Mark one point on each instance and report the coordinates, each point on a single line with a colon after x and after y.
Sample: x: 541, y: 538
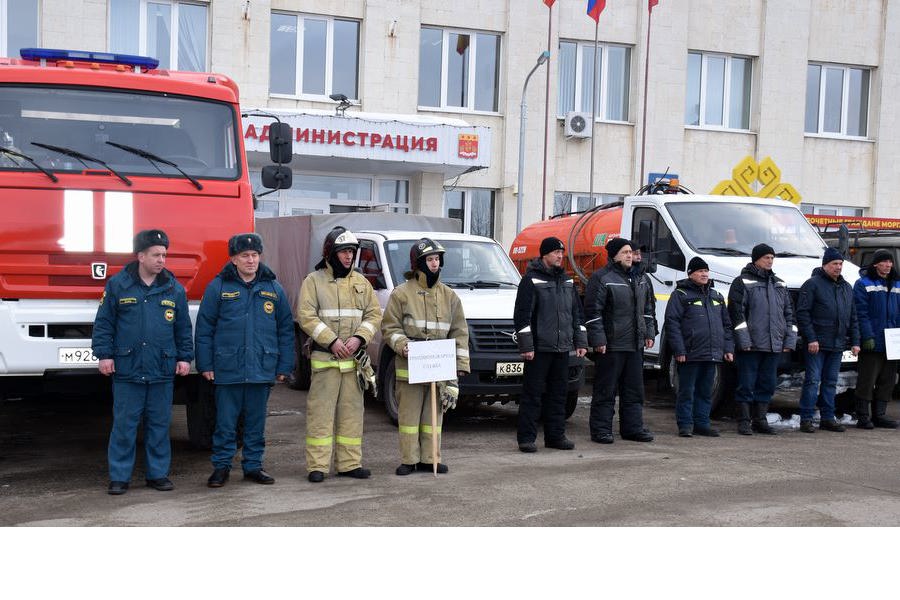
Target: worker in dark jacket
x: 877, y: 297
x: 826, y: 316
x: 549, y: 324
x: 244, y: 342
x: 621, y: 324
x: 142, y: 336
x: 698, y: 330
x: 760, y: 309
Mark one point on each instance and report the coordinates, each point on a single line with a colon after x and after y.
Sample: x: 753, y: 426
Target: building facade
x: 813, y: 84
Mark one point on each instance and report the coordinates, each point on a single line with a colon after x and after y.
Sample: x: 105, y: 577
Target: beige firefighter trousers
x: 414, y: 418
x: 334, y: 421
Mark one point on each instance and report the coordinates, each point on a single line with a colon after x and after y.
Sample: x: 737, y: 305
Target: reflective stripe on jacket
x: 330, y: 308
x: 619, y: 308
x: 417, y: 312
x: 548, y: 315
x: 877, y: 304
x: 697, y: 323
x: 761, y: 312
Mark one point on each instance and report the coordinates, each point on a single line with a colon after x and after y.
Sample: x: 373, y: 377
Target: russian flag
x: 594, y: 8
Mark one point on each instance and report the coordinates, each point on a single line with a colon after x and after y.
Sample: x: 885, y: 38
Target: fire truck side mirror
x: 280, y: 149
x: 277, y: 177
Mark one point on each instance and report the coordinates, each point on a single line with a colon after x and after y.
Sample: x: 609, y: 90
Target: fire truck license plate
x: 510, y: 369
x: 73, y: 356
x: 847, y: 356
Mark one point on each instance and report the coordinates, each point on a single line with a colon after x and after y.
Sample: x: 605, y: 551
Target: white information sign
x: 892, y: 343
x: 432, y: 361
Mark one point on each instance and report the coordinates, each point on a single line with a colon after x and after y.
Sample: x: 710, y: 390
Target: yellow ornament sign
x: 748, y: 172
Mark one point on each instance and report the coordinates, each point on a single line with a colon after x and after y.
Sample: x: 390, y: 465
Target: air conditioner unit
x: 577, y: 125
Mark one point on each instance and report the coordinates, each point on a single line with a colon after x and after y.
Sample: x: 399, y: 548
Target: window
x: 370, y: 265
x: 576, y: 76
x: 573, y: 202
x: 173, y: 32
x: 834, y: 211
x: 718, y: 91
x: 18, y: 26
x: 313, y: 56
x: 666, y: 250
x: 459, y: 69
x: 474, y: 208
x: 837, y: 100
x: 323, y: 194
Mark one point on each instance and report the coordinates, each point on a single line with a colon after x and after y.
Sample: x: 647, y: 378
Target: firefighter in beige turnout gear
x: 338, y: 310
x: 423, y: 308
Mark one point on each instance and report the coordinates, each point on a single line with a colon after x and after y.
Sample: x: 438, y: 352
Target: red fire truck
x: 93, y: 148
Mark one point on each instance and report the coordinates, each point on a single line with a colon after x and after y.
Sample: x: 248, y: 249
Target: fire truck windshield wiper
x: 52, y: 177
x: 155, y: 159
x: 722, y: 250
x: 81, y: 157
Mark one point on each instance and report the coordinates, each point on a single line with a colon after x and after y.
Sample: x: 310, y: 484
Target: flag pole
x: 646, y: 87
x: 594, y: 102
x: 546, y: 118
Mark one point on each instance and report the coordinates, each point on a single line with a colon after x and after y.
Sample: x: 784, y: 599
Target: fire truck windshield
x: 732, y: 229
x: 194, y: 137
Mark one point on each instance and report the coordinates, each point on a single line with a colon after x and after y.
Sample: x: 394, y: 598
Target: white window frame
x: 473, y: 55
x: 293, y: 195
x: 580, y: 49
x: 329, y: 58
x: 467, y: 207
x: 726, y: 92
x: 832, y: 210
x: 576, y: 197
x: 4, y: 26
x: 173, y: 42
x: 845, y: 101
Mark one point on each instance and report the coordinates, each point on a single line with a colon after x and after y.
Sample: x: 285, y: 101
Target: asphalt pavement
x: 53, y: 472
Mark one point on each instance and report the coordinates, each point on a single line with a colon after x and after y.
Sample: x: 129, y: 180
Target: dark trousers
x: 622, y: 372
x: 232, y: 401
x: 133, y: 402
x: 820, y: 384
x: 757, y: 376
x: 875, y: 371
x: 544, y: 397
x: 694, y: 401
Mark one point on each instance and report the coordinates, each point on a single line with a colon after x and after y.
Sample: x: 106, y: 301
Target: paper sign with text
x: 432, y: 361
x: 892, y: 343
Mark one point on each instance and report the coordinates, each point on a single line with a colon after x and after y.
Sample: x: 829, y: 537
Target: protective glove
x: 365, y: 374
x: 868, y: 344
x: 448, y: 392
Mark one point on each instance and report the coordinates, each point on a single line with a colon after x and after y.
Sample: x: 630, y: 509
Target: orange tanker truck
x: 673, y: 227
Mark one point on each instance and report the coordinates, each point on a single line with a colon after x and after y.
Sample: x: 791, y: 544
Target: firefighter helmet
x: 339, y: 239
x: 423, y: 248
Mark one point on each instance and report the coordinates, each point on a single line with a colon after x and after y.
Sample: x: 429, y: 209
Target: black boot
x: 760, y: 423
x: 879, y: 419
x: 744, y: 419
x: 862, y: 415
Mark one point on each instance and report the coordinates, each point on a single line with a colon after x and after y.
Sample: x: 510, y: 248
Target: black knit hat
x: 831, y: 254
x: 150, y: 237
x: 696, y: 264
x: 243, y: 242
x: 615, y: 245
x: 761, y: 250
x: 551, y: 244
x: 882, y: 254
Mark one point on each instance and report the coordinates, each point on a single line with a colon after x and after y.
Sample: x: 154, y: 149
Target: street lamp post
x: 524, y: 109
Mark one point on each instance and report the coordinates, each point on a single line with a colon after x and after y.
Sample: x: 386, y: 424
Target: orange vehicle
x: 93, y: 148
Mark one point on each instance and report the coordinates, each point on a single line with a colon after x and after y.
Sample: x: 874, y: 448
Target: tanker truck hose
x: 582, y: 221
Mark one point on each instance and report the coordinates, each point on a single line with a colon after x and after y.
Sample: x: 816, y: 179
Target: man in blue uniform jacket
x: 244, y: 342
x: 142, y: 337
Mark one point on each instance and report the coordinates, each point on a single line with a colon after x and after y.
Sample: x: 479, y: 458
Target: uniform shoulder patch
x: 168, y: 303
x: 268, y: 294
x: 231, y: 295
x: 127, y: 300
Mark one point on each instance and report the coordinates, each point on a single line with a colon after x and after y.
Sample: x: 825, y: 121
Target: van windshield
x: 733, y: 229
x: 467, y: 263
x: 61, y: 128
